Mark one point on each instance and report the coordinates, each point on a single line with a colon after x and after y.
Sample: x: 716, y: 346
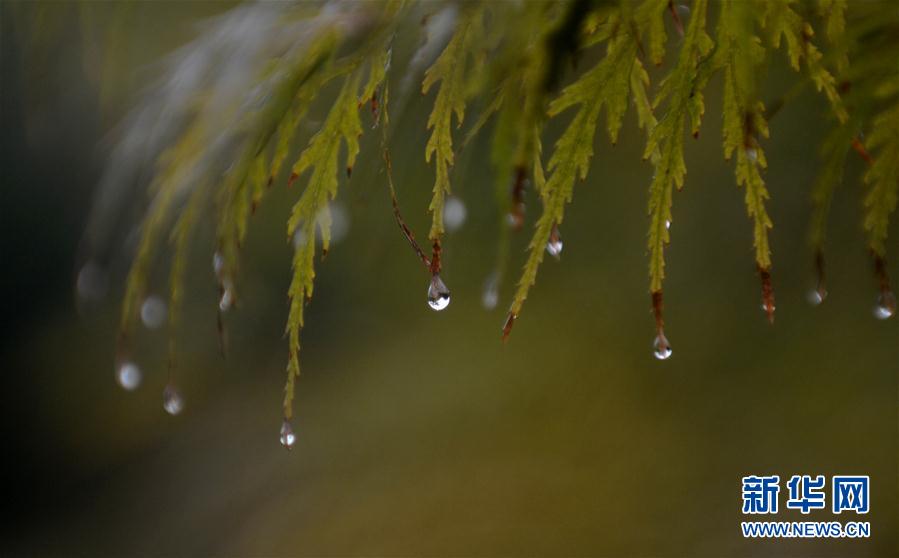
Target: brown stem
x: 435, y: 257
x: 862, y: 152
x: 657, y: 307
x: 507, y: 326
x: 880, y: 272
x: 767, y: 293
x: 407, y: 232
x: 375, y: 110
x: 517, y: 210
x: 663, y: 348
x: 678, y: 24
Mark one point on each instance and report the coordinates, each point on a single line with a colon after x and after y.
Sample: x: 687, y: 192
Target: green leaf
x: 740, y: 54
x: 650, y: 17
x: 606, y: 84
x: 682, y: 89
x: 783, y: 23
x: 833, y: 162
x: 451, y: 70
x: 882, y: 177
x: 320, y: 158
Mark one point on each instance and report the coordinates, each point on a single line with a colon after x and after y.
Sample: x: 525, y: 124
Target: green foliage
x: 451, y: 70
x: 740, y: 54
x: 682, y: 89
x: 833, y: 156
x: 321, y: 157
x: 606, y: 84
x: 511, y: 61
x: 782, y: 22
x: 650, y: 16
x: 882, y: 176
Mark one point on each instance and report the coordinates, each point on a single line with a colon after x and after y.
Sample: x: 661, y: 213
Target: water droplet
x: 227, y: 298
x: 340, y: 222
x: 752, y: 154
x: 661, y: 349
x: 218, y: 263
x: 490, y: 295
x: 128, y: 376
x: 668, y: 225
x: 554, y: 246
x: 454, y: 214
x: 172, y: 401
x: 438, y: 293
x: 92, y: 282
x: 153, y: 312
x: 816, y: 296
x: 886, y: 305
x: 287, y: 436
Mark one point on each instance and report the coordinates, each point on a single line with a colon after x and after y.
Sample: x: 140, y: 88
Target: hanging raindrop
x: 661, y: 349
x: 172, y: 401
x: 554, y: 246
x: 816, y: 296
x: 227, y: 298
x: 886, y: 305
x: 153, y: 312
x: 438, y: 293
x: 454, y: 214
x: 128, y: 376
x: 287, y: 436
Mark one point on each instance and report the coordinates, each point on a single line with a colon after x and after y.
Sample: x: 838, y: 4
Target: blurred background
x: 420, y: 433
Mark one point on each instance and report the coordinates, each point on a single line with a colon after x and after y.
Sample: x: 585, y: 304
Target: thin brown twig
x: 678, y: 24
x: 407, y: 232
x: 862, y: 152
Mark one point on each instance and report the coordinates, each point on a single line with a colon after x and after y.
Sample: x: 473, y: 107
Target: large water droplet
x: 153, y: 312
x: 287, y: 436
x: 454, y: 214
x: 661, y: 349
x: 128, y: 376
x: 667, y: 224
x: 886, y: 305
x: 554, y: 246
x: 172, y: 401
x: 438, y: 293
